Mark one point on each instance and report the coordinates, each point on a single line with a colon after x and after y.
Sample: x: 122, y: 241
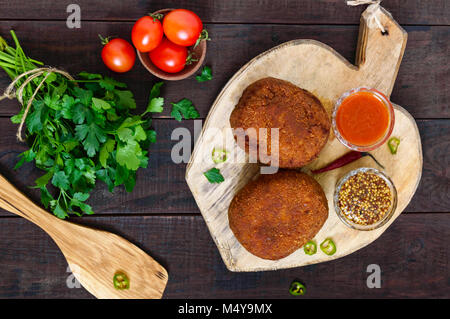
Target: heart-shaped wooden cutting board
x: 319, y: 69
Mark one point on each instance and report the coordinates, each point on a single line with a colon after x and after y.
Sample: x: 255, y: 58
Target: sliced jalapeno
x: 393, y: 144
x: 219, y: 156
x: 121, y: 281
x: 297, y: 289
x: 328, y: 246
x: 310, y: 247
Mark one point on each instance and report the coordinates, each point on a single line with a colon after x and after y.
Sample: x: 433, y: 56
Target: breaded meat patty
x: 303, y: 123
x: 277, y: 214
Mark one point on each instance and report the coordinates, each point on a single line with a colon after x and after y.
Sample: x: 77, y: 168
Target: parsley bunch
x: 80, y: 132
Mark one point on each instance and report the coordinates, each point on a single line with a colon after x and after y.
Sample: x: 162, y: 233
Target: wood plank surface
x: 161, y: 216
x: 422, y: 86
x: 161, y: 188
x: 235, y: 11
x: 413, y: 255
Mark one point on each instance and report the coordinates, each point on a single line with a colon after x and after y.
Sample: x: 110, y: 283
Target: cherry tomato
x: 169, y: 57
x: 147, y: 33
x: 182, y: 27
x: 118, y: 55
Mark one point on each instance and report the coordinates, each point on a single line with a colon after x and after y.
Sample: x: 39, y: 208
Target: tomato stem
x: 104, y: 40
x: 190, y: 58
x: 156, y: 16
x: 203, y: 36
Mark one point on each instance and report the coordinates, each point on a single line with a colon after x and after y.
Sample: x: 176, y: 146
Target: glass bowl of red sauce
x: 363, y: 119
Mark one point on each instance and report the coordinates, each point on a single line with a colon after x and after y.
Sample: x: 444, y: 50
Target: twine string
x: 373, y: 11
x: 10, y: 93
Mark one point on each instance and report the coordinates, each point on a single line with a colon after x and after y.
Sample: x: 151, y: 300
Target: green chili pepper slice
x: 219, y: 156
x: 297, y: 289
x: 121, y: 281
x: 310, y: 247
x: 328, y: 246
x: 393, y: 144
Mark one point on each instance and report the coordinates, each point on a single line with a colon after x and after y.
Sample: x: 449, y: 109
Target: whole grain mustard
x: 365, y: 199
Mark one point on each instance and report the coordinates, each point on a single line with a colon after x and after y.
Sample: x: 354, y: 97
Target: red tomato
x: 169, y: 57
x: 147, y: 33
x: 182, y: 27
x: 118, y: 55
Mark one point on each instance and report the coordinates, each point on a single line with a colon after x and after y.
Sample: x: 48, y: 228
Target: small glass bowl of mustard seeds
x: 365, y: 199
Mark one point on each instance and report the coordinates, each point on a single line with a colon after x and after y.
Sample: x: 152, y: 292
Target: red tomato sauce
x: 362, y: 119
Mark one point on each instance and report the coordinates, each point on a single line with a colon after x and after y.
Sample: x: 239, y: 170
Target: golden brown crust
x: 303, y: 123
x: 277, y: 214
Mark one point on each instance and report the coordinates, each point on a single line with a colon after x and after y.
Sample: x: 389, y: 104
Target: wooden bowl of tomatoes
x: 174, y: 49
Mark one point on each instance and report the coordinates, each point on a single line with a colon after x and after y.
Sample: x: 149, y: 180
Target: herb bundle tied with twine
x: 79, y: 130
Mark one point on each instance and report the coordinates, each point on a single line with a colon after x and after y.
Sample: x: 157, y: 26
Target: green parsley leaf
x: 214, y: 175
x: 128, y: 155
x: 86, y: 208
x: 109, y: 84
x: 155, y: 105
x: 37, y: 118
x: 26, y: 156
x: 126, y: 99
x: 80, y: 196
x: 59, y: 212
x: 151, y: 136
x: 51, y: 78
x: 81, y: 114
x: 107, y: 175
x: 44, y: 179
x: 184, y: 108
x: 206, y: 75
x: 121, y: 174
x: 90, y: 76
x: 85, y: 96
x: 46, y: 197
x: 139, y: 134
x: 60, y: 180
x: 130, y: 182
x: 156, y: 90
x: 111, y: 115
x: 52, y: 101
x: 125, y: 134
x: 132, y: 121
x: 16, y: 119
x: 91, y: 135
x: 100, y: 105
x: 66, y: 108
x: 105, y: 150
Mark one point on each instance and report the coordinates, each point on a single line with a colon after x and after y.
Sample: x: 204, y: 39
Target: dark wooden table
x: 161, y: 216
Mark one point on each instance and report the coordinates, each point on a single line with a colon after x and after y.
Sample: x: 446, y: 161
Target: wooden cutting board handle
x: 94, y: 256
x: 372, y: 40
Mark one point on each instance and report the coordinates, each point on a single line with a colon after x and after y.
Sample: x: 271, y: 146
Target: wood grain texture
x: 416, y: 266
x: 235, y: 11
x: 162, y: 189
x: 422, y: 85
x: 94, y: 256
x: 315, y: 67
x: 413, y: 255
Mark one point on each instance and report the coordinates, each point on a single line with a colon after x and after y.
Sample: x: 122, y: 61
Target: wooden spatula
x: 94, y: 256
